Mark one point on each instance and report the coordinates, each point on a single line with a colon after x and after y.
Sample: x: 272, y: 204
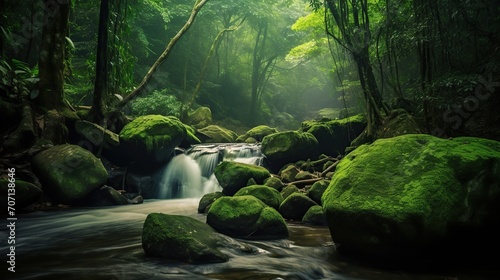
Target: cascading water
x: 190, y: 175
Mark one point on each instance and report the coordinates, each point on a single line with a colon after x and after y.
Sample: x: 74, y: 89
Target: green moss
x: 289, y: 146
x: 271, y: 197
x: 233, y: 176
x: 257, y: 133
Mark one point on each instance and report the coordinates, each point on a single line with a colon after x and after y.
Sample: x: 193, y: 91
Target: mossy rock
x: 414, y: 195
x: 207, y: 199
x: 317, y: 189
x: 68, y: 173
x: 152, y: 138
x: 274, y: 182
x: 295, y: 206
x: 246, y: 217
x: 334, y: 136
x: 191, y: 138
x: 289, y: 172
x: 291, y: 146
x: 315, y: 216
x: 25, y: 194
x: 181, y: 238
x: 256, y: 134
x: 288, y: 190
x: 200, y: 118
x: 216, y: 134
x: 270, y: 196
x: 233, y: 176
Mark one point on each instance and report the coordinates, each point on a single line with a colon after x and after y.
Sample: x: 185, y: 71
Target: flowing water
x: 105, y: 243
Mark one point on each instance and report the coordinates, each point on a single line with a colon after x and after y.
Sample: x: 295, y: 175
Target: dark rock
x: 295, y: 206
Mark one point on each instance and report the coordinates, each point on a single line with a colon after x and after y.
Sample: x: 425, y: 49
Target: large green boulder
x: 152, y: 138
x: 288, y: 147
x: 415, y: 195
x: 270, y: 196
x: 246, y: 217
x: 232, y: 176
x: 68, y: 173
x: 181, y: 238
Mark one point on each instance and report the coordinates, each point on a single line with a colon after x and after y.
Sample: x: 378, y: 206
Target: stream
x: 105, y: 243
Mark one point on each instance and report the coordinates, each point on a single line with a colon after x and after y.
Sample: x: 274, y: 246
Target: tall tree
x: 52, y: 54
x: 351, y: 29
x: 97, y: 111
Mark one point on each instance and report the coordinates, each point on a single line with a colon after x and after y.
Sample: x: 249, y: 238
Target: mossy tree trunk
x: 52, y: 53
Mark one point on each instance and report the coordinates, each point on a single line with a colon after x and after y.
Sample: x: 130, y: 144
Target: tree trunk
x: 101, y: 70
x: 143, y: 85
x: 52, y: 52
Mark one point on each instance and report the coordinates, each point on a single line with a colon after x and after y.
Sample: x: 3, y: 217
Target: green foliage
x: 160, y: 102
x: 18, y: 79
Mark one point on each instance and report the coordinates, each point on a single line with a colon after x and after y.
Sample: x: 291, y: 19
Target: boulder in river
x: 270, y: 196
x: 181, y: 238
x: 68, y: 172
x: 233, y: 176
x: 246, y: 217
x: 151, y: 139
x: 416, y: 196
x: 25, y: 194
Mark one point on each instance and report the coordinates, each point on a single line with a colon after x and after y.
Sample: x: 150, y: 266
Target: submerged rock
x: 233, y: 176
x: 181, y: 238
x: 415, y: 195
x: 246, y: 217
x: 68, y: 172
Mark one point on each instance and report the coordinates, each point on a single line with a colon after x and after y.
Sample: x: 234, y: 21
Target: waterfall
x: 191, y: 174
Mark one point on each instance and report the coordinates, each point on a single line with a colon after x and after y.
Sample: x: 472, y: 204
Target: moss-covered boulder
x: 335, y: 135
x: 216, y: 134
x: 315, y: 216
x: 152, y: 138
x: 288, y: 190
x: 295, y: 206
x: 201, y: 117
x: 287, y: 147
x: 274, y: 182
x: 24, y: 193
x: 207, y: 200
x: 271, y: 197
x: 288, y: 173
x: 317, y: 189
x: 233, y: 176
x: 256, y: 134
x: 68, y: 173
x: 181, y: 238
x: 415, y: 195
x: 246, y: 217
x: 191, y: 138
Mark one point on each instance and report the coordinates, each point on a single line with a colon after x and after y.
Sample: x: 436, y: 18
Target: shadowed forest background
x: 276, y: 63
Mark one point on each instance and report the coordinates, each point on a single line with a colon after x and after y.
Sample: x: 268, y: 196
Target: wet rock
x: 291, y: 146
x: 288, y: 190
x: 317, y: 190
x: 315, y: 216
x: 416, y: 196
x: 246, y: 217
x: 181, y: 238
x: 271, y: 197
x: 151, y: 139
x: 68, y: 172
x: 295, y: 206
x: 274, y: 182
x: 233, y: 176
x: 207, y: 199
